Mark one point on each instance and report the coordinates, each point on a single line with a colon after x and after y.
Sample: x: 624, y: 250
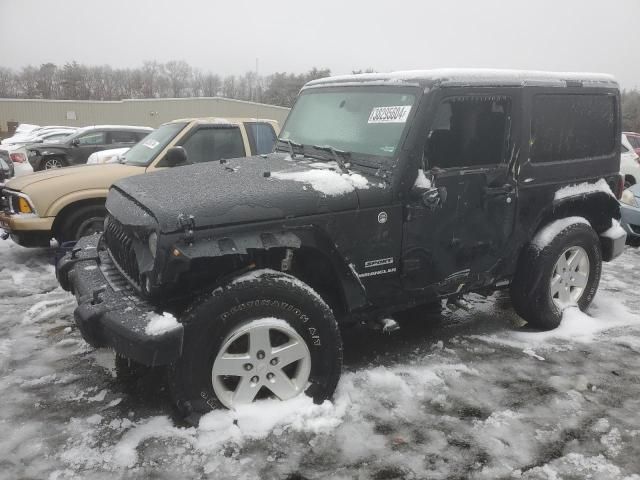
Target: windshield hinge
x: 188, y: 225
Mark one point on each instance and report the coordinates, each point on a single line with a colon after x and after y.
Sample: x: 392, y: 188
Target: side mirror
x: 75, y: 142
x: 175, y: 156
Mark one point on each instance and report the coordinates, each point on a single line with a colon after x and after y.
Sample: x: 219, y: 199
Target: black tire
x: 270, y: 295
x: 47, y: 163
x: 530, y: 289
x: 82, y: 221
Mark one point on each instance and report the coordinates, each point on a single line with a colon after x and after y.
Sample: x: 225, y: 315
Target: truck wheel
x: 265, y: 336
x: 83, y: 221
x: 560, y: 268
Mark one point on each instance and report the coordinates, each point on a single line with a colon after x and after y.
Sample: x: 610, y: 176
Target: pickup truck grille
x: 120, y: 247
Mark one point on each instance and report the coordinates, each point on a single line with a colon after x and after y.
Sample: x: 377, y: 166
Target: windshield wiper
x: 292, y: 146
x: 337, y: 156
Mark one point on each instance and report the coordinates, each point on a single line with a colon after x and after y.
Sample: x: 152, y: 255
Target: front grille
x: 120, y: 247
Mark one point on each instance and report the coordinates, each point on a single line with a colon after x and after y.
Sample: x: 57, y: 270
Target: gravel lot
x: 466, y: 394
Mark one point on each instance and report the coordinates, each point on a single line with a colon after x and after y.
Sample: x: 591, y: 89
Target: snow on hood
x: 328, y: 182
x: 240, y: 190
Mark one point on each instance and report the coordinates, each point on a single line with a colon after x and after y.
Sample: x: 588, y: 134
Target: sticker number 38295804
x: 397, y: 114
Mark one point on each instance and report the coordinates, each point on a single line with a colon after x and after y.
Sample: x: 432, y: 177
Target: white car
x: 107, y: 156
x: 42, y: 133
x: 629, y: 163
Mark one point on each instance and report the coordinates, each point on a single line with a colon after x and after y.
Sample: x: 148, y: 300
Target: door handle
x: 505, y: 189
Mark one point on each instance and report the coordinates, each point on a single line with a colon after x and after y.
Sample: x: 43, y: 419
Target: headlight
x: 153, y: 243
x: 23, y: 205
x: 629, y: 198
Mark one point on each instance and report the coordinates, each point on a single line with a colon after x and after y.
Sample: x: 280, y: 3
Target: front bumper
x: 109, y: 313
x: 27, y: 230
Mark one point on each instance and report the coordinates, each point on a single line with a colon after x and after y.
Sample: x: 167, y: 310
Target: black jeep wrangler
x: 386, y: 191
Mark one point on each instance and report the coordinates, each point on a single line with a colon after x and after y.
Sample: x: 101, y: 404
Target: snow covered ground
x: 463, y: 395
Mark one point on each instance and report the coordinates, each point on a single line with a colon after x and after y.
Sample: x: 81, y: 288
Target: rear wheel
x: 268, y: 336
x: 562, y: 271
x: 53, y: 162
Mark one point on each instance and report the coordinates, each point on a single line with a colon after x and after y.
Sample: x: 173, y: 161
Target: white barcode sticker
x: 397, y: 114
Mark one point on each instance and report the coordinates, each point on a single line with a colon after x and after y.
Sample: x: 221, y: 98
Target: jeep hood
x: 242, y: 190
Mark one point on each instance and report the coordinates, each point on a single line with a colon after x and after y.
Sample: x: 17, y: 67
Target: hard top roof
x: 469, y: 76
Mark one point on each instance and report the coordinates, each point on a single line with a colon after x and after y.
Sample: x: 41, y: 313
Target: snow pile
x: 616, y: 231
x: 583, y: 189
x: 159, y: 324
x: 421, y: 180
x: 326, y: 181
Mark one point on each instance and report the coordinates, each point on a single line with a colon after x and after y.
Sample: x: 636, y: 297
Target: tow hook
x: 4, y: 235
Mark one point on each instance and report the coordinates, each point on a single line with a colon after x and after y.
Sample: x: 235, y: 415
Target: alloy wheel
x: 570, y: 277
x: 265, y: 358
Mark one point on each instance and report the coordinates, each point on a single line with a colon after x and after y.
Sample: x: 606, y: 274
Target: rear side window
x: 124, y: 137
x: 567, y: 127
x: 210, y: 144
x: 634, y: 141
x: 262, y: 137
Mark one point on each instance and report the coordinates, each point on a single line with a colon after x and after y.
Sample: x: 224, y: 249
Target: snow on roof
x: 474, y: 76
x: 113, y: 127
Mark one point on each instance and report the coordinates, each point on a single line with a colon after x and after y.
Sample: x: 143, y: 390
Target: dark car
x: 76, y: 148
x: 6, y: 167
x: 386, y: 191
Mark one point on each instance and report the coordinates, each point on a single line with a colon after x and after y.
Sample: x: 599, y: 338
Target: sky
x: 226, y: 37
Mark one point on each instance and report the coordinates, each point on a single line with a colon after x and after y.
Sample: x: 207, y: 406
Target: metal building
x: 147, y: 112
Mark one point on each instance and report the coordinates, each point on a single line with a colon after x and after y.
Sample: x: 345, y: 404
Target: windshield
x: 145, y: 151
x: 367, y: 121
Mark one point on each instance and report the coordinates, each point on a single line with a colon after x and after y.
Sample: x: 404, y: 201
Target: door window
x: 469, y: 131
x: 93, y: 138
x: 123, y: 137
x: 262, y: 138
x: 210, y: 144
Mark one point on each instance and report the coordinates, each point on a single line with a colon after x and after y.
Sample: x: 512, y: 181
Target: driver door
x: 454, y: 233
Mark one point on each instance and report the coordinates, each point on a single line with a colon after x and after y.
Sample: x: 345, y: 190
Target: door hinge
x: 188, y: 225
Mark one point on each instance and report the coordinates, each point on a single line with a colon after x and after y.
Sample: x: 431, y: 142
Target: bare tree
x: 179, y: 74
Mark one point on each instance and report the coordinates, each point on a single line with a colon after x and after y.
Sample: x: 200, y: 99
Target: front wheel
x: 264, y: 336
x: 83, y: 221
x: 559, y: 269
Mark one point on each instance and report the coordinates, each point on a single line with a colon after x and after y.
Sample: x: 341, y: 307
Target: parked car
x: 386, y: 191
x: 65, y: 204
x: 629, y: 163
x: 75, y: 149
x: 24, y: 136
x: 6, y: 168
x: 112, y: 155
x: 630, y: 209
x: 634, y: 139
x: 18, y: 151
x: 21, y: 130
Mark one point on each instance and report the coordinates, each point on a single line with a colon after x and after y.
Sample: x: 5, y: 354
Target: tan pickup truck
x: 65, y: 204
